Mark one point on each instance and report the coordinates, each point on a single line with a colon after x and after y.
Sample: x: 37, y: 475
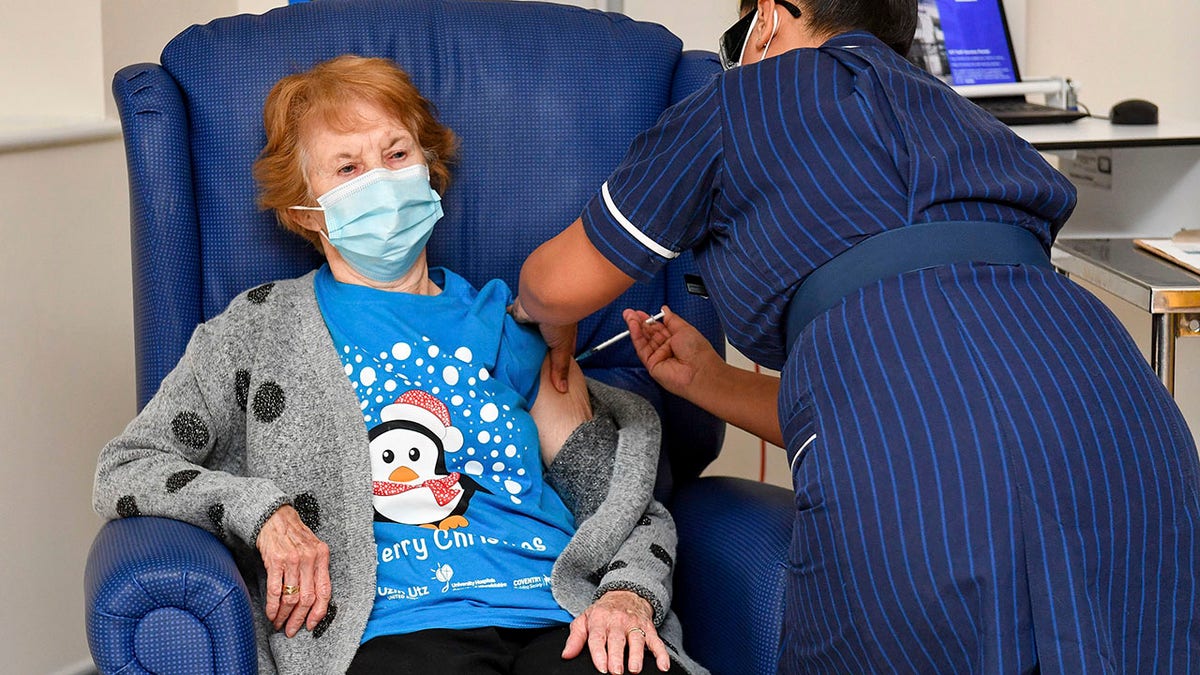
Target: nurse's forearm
x: 743, y: 398
x: 566, y: 279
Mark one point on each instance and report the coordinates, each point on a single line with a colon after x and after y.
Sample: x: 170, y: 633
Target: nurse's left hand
x: 618, y: 619
x: 561, y: 341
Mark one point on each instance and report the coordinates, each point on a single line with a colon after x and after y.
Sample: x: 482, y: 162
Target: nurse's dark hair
x: 892, y: 21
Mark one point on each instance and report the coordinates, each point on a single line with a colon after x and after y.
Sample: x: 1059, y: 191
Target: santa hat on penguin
x: 423, y: 408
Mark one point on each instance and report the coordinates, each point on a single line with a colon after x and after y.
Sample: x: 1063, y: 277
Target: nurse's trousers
x: 989, y: 478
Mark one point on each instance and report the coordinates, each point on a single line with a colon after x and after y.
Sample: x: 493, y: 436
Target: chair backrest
x: 544, y: 98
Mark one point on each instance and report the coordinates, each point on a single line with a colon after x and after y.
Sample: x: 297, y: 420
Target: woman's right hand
x: 675, y: 354
x: 296, y: 558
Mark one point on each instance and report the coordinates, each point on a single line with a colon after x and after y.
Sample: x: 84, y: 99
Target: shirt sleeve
x: 522, y: 349
x: 656, y: 203
x: 159, y: 466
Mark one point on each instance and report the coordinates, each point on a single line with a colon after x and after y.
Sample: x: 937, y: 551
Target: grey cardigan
x: 259, y: 413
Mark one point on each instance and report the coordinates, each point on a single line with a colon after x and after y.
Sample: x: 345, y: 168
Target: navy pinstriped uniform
x: 988, y: 476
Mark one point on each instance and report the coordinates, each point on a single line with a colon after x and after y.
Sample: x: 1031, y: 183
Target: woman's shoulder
x: 493, y: 291
x: 268, y: 303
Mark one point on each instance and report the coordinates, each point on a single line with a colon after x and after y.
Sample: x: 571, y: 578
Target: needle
x: 615, y: 339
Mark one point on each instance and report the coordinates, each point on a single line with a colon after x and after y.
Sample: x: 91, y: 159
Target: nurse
x: 988, y: 476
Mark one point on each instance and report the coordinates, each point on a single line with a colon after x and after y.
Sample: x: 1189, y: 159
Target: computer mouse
x: 1134, y: 111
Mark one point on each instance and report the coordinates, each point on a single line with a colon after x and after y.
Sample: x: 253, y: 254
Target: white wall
x: 66, y: 346
x: 1117, y: 50
x: 66, y: 338
x: 67, y: 358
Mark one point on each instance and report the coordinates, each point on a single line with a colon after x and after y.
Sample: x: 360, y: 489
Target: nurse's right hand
x: 675, y: 354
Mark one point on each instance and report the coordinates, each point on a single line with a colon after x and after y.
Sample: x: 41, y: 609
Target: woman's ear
x: 313, y: 221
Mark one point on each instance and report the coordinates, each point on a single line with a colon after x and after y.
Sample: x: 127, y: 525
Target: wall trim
x: 20, y: 134
x: 84, y: 667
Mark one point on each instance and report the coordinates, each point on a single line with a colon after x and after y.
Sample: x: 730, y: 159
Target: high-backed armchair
x: 545, y: 99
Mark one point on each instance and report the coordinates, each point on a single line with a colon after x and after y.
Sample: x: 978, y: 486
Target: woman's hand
x: 617, y: 619
x: 675, y: 354
x: 295, y: 559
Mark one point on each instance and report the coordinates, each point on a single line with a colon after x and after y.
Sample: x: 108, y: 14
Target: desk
x: 1169, y: 293
x: 1155, y: 175
x: 1090, y: 133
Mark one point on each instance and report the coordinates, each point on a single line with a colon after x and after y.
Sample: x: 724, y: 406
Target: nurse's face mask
x: 734, y: 41
x: 380, y: 221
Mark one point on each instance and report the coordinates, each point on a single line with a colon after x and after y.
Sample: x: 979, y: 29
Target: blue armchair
x: 545, y: 98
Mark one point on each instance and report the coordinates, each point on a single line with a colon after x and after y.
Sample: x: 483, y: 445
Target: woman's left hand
x: 617, y: 619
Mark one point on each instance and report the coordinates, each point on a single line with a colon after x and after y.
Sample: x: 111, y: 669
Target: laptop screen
x: 964, y: 42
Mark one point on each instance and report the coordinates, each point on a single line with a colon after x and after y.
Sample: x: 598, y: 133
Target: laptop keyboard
x: 1020, y: 111
x: 1016, y: 106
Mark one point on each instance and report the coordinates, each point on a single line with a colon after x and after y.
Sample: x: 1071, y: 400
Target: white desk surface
x: 1095, y: 133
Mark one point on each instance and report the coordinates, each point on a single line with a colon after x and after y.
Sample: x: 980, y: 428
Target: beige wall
x: 65, y: 332
x: 67, y: 360
x: 48, y: 53
x: 1118, y: 50
x: 66, y: 339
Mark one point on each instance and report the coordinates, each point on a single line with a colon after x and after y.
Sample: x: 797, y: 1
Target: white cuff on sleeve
x: 633, y: 230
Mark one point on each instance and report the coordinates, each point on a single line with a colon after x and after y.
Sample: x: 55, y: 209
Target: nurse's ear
x: 765, y: 26
x: 776, y: 31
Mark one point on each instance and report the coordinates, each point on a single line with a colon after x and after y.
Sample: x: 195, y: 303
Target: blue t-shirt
x: 466, y: 529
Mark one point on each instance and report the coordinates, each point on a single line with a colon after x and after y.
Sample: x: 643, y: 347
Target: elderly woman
x: 362, y: 437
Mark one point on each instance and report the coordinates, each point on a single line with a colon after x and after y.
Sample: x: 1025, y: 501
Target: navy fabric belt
x: 907, y: 249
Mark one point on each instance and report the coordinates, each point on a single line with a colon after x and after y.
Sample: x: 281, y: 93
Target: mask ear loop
x: 313, y: 208
x: 774, y: 32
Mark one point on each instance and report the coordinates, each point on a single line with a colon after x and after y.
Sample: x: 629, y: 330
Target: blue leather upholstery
x: 163, y: 596
x: 729, y: 583
x: 545, y: 99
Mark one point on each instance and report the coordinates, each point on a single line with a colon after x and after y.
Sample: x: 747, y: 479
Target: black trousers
x: 502, y: 651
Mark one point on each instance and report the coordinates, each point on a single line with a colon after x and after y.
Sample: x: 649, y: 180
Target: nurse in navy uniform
x: 988, y: 476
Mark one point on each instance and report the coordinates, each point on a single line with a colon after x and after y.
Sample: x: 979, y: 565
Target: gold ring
x: 288, y: 589
x: 635, y: 629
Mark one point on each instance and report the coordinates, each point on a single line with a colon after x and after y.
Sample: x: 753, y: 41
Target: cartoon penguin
x: 410, y: 483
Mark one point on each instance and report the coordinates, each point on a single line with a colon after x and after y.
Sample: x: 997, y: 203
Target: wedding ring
x: 635, y: 629
x: 288, y: 589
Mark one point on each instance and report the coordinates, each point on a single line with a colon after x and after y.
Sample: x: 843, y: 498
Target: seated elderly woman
x: 362, y: 437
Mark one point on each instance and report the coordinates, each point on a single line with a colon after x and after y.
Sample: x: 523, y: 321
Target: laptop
x: 967, y: 42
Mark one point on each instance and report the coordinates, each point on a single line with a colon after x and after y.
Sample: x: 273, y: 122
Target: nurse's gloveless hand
x: 561, y: 341
x: 675, y: 354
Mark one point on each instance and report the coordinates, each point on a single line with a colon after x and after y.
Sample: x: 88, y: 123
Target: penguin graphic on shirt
x: 410, y: 483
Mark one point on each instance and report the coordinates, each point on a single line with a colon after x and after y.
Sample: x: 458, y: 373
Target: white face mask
x: 380, y: 221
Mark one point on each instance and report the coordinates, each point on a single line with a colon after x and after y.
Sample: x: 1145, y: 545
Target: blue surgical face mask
x: 380, y: 221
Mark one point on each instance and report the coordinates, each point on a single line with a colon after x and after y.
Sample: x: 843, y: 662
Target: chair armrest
x: 732, y: 571
x: 165, y: 596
